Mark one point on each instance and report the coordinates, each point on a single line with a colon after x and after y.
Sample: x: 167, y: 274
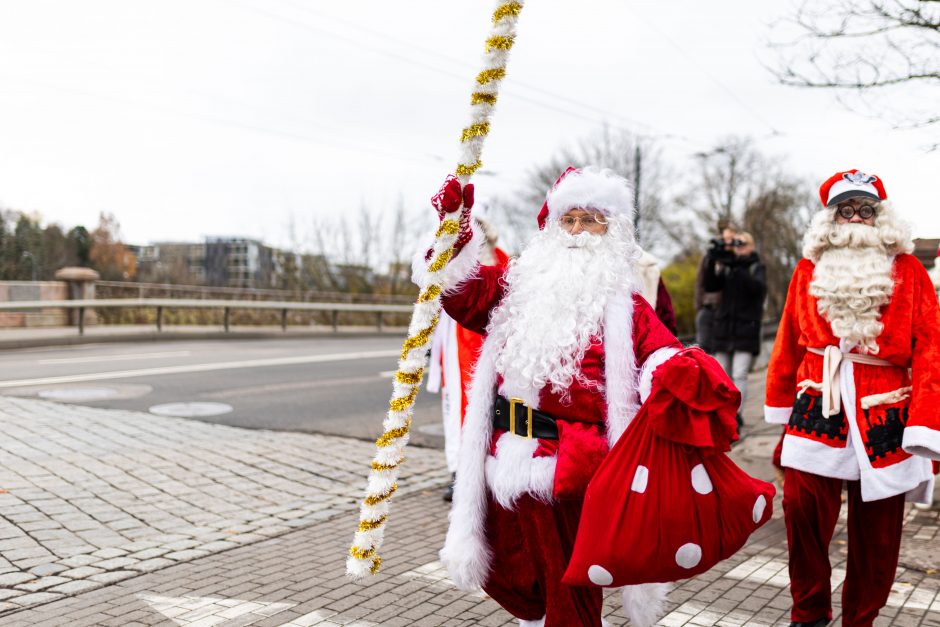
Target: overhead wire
x: 624, y: 124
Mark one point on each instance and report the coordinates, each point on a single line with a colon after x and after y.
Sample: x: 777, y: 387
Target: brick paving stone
x: 259, y: 528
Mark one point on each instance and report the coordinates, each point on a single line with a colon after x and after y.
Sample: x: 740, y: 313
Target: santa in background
x: 454, y: 352
x: 854, y: 377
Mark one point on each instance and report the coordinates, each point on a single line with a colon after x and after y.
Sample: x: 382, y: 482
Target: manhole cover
x: 190, y: 410
x: 78, y: 394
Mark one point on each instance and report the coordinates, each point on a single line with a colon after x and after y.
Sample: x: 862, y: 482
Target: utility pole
x: 637, y: 160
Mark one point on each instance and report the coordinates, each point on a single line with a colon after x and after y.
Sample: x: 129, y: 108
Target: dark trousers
x: 811, y: 506
x: 531, y: 547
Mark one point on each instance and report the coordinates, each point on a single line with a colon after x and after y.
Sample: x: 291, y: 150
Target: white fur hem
x: 644, y: 603
x: 466, y: 552
x: 777, y: 415
x: 654, y: 361
x: 620, y: 371
x: 922, y: 441
x: 513, y: 471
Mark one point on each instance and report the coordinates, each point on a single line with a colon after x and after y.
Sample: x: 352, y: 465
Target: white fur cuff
x: 922, y: 441
x: 654, y: 361
x: 463, y: 266
x: 777, y: 415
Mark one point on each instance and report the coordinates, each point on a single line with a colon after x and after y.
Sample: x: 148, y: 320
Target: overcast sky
x: 230, y: 117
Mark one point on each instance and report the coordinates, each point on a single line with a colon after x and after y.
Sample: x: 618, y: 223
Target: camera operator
x: 735, y: 270
x: 706, y: 301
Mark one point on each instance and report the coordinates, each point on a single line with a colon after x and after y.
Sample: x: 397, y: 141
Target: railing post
x: 159, y: 318
x: 81, y: 321
x: 378, y: 322
x: 225, y: 317
x: 334, y: 315
x: 284, y: 319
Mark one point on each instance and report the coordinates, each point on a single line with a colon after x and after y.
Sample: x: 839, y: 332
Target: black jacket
x: 742, y: 282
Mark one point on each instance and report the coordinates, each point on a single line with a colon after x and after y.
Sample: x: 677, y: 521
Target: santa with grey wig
x: 569, y: 355
x: 853, y: 377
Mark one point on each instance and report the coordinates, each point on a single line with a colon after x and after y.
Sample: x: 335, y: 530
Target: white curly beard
x: 852, y: 282
x: 556, y: 295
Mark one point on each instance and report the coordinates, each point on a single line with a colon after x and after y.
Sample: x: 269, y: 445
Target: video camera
x: 720, y: 247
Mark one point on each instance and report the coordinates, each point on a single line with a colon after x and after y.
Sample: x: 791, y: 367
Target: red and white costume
x: 517, y: 501
x: 454, y: 352
x: 858, y: 388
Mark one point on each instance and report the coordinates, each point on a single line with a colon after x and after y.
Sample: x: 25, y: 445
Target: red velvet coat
x: 885, y: 441
x: 582, y: 417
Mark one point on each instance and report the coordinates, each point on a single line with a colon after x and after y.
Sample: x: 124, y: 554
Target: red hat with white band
x: 851, y: 184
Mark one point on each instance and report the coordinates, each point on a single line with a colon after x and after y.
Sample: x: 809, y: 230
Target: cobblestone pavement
x: 253, y: 528
x: 89, y: 496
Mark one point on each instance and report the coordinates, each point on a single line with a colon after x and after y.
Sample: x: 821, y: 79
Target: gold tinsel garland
x: 383, y: 476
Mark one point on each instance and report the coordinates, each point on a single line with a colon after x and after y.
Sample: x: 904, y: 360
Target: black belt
x: 515, y: 417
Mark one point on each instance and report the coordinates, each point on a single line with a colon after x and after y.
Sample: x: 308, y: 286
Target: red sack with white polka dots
x: 667, y: 503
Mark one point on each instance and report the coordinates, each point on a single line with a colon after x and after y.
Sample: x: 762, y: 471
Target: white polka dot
x: 689, y: 555
x: 599, y: 576
x: 758, y: 511
x: 700, y: 480
x: 640, y: 479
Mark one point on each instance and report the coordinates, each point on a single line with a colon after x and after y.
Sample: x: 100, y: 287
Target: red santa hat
x: 851, y: 184
x: 588, y: 188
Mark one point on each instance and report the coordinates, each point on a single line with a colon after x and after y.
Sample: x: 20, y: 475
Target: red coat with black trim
x: 884, y: 434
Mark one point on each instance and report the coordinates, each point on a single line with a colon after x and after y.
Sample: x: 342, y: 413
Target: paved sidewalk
x: 91, y: 496
x: 124, y: 518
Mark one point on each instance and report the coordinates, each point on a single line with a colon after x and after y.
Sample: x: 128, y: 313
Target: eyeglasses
x: 590, y: 222
x: 863, y: 211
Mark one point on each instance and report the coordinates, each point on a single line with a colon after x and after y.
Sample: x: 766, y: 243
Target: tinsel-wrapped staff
x: 373, y: 513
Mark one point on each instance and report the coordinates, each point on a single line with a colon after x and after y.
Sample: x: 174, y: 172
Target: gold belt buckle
x: 512, y: 417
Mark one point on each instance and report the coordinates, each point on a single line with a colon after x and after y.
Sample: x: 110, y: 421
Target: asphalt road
x: 332, y: 385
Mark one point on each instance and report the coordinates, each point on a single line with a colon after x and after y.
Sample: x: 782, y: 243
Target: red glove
x: 448, y: 200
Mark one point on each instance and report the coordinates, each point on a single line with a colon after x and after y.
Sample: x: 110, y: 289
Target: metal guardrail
x: 226, y: 305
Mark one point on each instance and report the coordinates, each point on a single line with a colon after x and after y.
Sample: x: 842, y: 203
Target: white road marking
x: 287, y: 387
x: 225, y: 365
x: 387, y: 374
x: 122, y: 357
x: 210, y: 610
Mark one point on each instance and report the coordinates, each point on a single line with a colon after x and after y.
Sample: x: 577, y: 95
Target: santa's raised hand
x: 451, y: 198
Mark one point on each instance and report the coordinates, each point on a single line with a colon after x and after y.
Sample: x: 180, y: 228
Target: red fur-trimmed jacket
x: 583, y: 415
x: 884, y: 434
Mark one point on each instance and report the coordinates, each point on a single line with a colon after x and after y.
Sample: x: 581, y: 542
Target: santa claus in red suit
x: 853, y: 376
x: 570, y: 341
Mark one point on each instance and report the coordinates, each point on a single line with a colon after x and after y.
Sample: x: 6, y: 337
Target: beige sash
x: 832, y: 359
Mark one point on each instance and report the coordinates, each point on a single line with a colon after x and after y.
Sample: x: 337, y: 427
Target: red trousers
x: 811, y: 506
x: 531, y: 548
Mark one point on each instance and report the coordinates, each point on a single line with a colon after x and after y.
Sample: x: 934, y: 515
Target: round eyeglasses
x: 863, y: 211
x: 590, y: 222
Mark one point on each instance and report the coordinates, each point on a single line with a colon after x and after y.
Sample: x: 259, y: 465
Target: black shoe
x: 821, y: 622
x: 449, y: 490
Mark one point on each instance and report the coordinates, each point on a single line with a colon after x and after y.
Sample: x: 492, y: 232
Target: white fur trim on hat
x: 591, y: 188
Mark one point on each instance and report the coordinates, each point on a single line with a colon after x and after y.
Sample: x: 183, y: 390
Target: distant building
x: 234, y: 262
x: 239, y: 262
x: 171, y: 262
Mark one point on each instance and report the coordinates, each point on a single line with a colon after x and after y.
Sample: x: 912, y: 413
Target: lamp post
x: 32, y: 263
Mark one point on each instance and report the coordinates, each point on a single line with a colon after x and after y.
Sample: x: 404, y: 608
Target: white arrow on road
x: 211, y: 610
x: 224, y: 365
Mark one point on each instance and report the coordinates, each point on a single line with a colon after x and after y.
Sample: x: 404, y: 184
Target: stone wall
x: 13, y: 291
